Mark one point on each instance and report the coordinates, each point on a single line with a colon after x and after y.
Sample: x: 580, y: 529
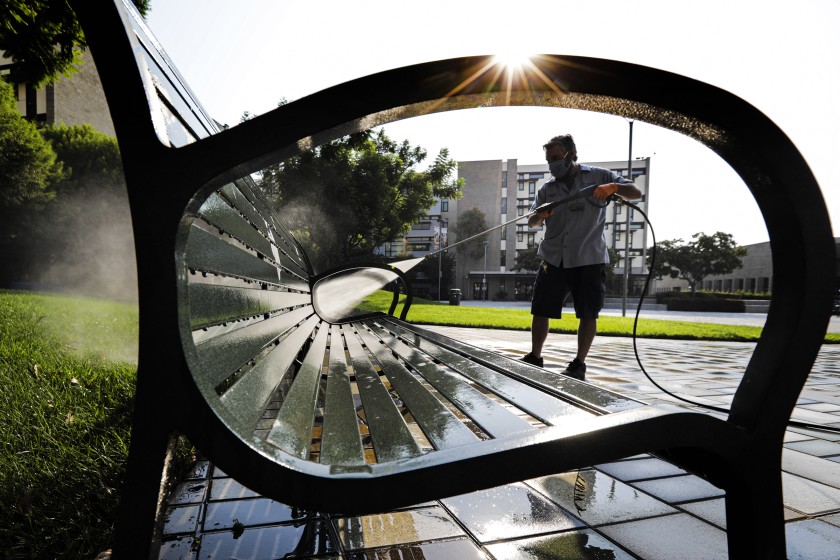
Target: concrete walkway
x: 641, y: 508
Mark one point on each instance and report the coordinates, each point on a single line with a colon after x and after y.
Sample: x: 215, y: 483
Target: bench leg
x: 755, y: 513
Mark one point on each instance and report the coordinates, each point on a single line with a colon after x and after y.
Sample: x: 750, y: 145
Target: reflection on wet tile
x: 189, y: 492
x: 462, y: 549
x: 672, y: 536
x: 713, y: 511
x: 228, y: 489
x: 400, y: 527
x: 597, y: 498
x: 182, y: 519
x: 808, y: 496
x: 812, y: 539
x: 679, y: 488
x: 199, y: 471
x: 640, y: 469
x: 282, y: 541
x: 509, y: 512
x: 573, y: 545
x: 261, y: 511
x: 178, y: 549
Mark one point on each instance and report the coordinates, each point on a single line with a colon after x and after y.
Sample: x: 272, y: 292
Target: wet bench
x: 357, y: 413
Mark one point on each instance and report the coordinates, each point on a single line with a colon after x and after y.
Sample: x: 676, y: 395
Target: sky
x: 783, y: 57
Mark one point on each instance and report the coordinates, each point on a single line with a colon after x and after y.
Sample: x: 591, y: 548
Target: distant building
x: 73, y: 100
x: 503, y: 190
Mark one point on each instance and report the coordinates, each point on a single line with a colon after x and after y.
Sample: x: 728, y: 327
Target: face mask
x: 559, y: 168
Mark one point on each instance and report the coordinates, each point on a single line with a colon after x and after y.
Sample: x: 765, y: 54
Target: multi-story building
x: 503, y: 190
x: 73, y: 100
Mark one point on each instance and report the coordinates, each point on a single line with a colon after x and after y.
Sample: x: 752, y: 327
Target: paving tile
x: 817, y: 447
x: 508, y: 512
x: 678, y: 489
x: 300, y: 540
x: 832, y: 519
x: 812, y: 539
x: 177, y: 549
x: 462, y: 549
x: 813, y: 468
x: 571, y: 545
x: 597, y: 498
x: 640, y: 469
x: 189, y: 492
x: 808, y: 496
x: 672, y: 536
x: 181, y: 519
x: 713, y: 511
x: 396, y: 528
x: 228, y: 489
x: 259, y: 511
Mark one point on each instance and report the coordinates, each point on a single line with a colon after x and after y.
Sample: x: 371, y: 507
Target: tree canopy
x: 346, y: 198
x: 707, y: 255
x: 527, y: 259
x: 44, y: 37
x: 470, y: 222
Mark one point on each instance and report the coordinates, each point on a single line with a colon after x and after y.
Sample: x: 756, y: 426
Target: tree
x: 707, y: 255
x: 44, y: 37
x: 527, y: 259
x: 470, y: 222
x: 429, y: 267
x: 28, y: 165
x: 354, y: 194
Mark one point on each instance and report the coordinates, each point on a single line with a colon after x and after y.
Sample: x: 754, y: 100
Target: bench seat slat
x: 341, y: 442
x: 220, y: 214
x: 212, y: 304
x: 391, y: 437
x: 579, y: 393
x: 538, y: 404
x: 292, y: 430
x: 208, y: 253
x: 497, y: 421
x: 441, y: 427
x: 220, y: 356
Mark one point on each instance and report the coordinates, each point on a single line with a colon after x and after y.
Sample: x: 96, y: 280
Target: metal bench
x: 369, y: 413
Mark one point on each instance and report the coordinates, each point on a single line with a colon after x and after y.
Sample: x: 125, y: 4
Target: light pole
x: 627, y: 228
x: 484, y: 278
x: 440, y: 256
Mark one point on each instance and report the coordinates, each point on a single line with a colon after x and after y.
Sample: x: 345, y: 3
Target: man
x: 574, y: 250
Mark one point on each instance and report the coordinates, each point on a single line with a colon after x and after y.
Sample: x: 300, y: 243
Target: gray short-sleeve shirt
x: 574, y: 233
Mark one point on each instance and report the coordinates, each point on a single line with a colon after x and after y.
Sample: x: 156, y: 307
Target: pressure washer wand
x: 584, y: 192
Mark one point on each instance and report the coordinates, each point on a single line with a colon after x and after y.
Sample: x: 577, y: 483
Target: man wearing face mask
x: 574, y: 250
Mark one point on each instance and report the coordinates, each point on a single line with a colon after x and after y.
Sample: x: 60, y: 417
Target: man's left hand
x: 603, y: 192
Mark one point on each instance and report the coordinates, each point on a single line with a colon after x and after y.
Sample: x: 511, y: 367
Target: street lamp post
x: 484, y: 278
x: 440, y: 256
x: 627, y: 228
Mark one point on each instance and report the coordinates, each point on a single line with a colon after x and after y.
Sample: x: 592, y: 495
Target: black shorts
x: 587, y: 284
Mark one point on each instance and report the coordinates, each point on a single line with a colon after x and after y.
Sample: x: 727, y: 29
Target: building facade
x: 74, y: 100
x: 502, y: 190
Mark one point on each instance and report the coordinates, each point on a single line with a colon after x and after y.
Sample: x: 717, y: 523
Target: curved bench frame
x: 741, y: 453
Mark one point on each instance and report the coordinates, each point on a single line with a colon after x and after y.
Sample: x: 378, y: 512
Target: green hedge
x: 704, y: 304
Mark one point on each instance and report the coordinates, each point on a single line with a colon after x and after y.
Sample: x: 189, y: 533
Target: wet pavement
x: 641, y: 507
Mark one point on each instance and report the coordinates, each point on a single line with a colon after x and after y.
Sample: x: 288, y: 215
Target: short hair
x: 565, y: 141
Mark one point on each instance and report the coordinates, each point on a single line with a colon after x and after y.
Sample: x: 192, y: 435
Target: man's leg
x: 539, y: 332
x: 585, y: 335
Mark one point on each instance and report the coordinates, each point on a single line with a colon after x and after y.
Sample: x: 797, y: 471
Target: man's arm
x: 627, y: 191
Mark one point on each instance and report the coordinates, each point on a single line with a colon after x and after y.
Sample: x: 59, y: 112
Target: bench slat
x: 538, y: 404
x: 581, y: 394
x: 243, y: 200
x: 220, y: 214
x: 212, y: 304
x: 208, y: 253
x: 292, y: 430
x: 341, y: 442
x: 220, y: 356
x: 391, y: 437
x: 441, y: 427
x: 495, y: 420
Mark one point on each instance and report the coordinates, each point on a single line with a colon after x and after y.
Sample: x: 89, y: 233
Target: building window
x: 532, y: 187
x: 521, y: 186
x: 531, y: 240
x: 520, y: 211
x: 504, y: 179
x: 504, y: 233
x: 504, y: 205
x: 502, y: 257
x: 520, y: 237
x: 444, y: 206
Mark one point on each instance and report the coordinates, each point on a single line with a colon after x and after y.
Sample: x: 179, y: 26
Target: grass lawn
x: 67, y: 372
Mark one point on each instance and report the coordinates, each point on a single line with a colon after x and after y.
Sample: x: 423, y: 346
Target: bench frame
x: 741, y: 453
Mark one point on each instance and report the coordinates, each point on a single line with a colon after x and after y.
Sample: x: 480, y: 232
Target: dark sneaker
x: 530, y: 359
x: 576, y: 369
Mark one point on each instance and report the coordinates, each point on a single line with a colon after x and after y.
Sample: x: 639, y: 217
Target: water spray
x: 584, y: 193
